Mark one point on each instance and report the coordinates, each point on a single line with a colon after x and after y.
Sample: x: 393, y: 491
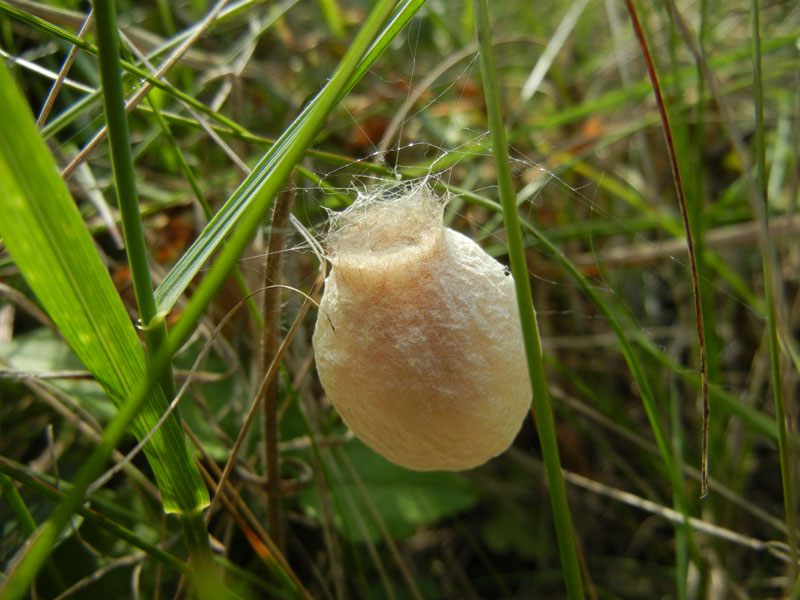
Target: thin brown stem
x: 676, y: 175
x: 271, y: 372
x: 270, y: 341
x: 62, y: 75
x: 259, y: 540
x: 137, y: 97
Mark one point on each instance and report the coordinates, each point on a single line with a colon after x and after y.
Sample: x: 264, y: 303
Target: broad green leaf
x: 502, y: 534
x: 43, y: 350
x: 45, y: 235
x: 404, y: 499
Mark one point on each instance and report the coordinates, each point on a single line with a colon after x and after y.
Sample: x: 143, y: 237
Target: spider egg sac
x: 417, y: 342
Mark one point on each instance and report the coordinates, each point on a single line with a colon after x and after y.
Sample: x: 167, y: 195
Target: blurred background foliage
x: 591, y: 172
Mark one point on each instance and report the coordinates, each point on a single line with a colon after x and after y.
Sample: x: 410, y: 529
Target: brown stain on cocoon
x: 417, y: 342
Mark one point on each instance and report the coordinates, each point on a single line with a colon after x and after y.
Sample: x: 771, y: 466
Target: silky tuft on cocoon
x: 417, y: 342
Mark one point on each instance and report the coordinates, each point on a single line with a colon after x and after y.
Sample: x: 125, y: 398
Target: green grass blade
x: 134, y: 70
x: 720, y: 398
x: 397, y: 22
x: 614, y: 317
x: 284, y: 160
x: 770, y: 290
x: 44, y: 233
x: 688, y: 230
x: 26, y: 521
x: 639, y: 91
x: 17, y: 504
x: 201, y: 200
x: 533, y: 347
x: 333, y: 16
x: 85, y: 104
x: 155, y: 332
x: 12, y: 471
x: 184, y: 271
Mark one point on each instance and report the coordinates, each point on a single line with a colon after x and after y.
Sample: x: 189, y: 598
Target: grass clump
x: 355, y: 95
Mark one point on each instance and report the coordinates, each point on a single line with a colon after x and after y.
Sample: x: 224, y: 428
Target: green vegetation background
x: 269, y: 90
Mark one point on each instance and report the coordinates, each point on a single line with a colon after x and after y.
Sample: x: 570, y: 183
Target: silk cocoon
x: 417, y: 342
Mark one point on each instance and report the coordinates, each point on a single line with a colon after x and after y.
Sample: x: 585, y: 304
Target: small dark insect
x: 506, y: 270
